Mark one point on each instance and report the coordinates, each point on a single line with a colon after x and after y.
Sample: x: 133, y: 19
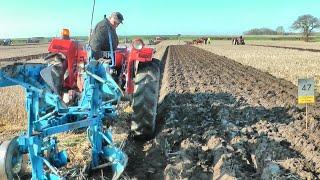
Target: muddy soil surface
x: 220, y: 119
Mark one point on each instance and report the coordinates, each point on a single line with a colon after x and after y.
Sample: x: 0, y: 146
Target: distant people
x: 100, y: 36
x: 209, y: 40
x: 205, y: 40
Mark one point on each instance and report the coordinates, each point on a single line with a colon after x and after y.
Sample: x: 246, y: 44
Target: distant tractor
x: 33, y: 41
x: 152, y: 42
x: 202, y: 40
x: 156, y: 40
x: 198, y: 41
x: 238, y: 41
x: 6, y: 42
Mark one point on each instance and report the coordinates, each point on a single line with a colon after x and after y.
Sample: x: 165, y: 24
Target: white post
x: 306, y: 116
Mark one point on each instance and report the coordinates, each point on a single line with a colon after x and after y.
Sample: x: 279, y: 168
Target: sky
x: 46, y: 18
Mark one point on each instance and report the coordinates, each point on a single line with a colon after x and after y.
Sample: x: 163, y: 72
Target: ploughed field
x: 221, y: 119
x: 217, y: 118
x: 289, y: 60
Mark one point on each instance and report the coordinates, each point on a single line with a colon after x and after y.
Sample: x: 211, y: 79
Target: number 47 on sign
x: 306, y: 94
x: 306, y: 91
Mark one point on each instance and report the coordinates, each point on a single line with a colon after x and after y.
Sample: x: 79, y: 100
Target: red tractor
x: 134, y: 69
x: 238, y: 41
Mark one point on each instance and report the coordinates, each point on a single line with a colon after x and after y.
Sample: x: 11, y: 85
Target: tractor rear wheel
x: 145, y: 99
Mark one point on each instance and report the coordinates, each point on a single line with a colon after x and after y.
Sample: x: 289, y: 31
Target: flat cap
x: 118, y: 16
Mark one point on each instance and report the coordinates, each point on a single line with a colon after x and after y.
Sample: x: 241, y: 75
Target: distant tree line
x: 305, y: 23
x: 266, y: 31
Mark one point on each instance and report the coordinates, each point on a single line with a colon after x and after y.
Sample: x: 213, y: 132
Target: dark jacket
x: 100, y: 38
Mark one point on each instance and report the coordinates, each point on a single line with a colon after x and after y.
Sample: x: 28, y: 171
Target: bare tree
x: 280, y: 30
x: 306, y: 23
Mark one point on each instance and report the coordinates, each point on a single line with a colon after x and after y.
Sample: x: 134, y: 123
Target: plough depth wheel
x: 10, y: 159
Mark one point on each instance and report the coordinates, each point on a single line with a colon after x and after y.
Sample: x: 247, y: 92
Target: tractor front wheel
x: 145, y: 99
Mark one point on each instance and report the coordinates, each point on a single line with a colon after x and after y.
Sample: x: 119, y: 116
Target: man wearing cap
x: 100, y: 36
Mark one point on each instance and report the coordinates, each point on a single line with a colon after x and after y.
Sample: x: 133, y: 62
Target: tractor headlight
x: 137, y: 44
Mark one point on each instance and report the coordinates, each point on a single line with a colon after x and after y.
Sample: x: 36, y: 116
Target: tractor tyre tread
x: 145, y: 100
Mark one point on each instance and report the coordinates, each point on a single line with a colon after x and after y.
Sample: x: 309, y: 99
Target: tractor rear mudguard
x: 135, y: 57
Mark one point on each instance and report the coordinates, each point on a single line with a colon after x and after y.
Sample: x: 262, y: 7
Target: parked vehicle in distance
x: 33, y: 40
x: 6, y: 42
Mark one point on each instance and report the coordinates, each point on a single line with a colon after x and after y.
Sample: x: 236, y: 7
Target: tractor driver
x: 100, y: 35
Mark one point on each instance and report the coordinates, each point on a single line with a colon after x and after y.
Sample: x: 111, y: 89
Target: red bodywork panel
x: 120, y: 57
x: 76, y: 54
x: 143, y: 55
